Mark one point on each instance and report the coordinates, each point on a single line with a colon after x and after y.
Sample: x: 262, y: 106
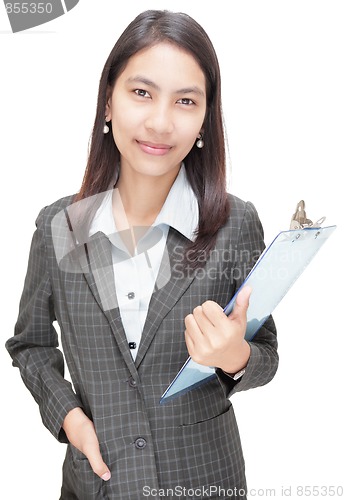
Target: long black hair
x: 206, y: 167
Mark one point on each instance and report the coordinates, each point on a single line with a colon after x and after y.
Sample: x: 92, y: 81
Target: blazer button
x: 140, y: 443
x: 132, y: 382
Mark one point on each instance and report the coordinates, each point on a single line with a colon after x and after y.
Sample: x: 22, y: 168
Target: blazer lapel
x: 97, y: 266
x: 167, y: 295
x: 95, y: 259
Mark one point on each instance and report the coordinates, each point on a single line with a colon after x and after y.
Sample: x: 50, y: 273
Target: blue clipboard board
x: 274, y: 273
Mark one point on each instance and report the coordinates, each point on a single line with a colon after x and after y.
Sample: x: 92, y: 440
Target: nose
x: 160, y: 119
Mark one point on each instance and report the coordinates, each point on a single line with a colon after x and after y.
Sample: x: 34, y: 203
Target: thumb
x: 96, y: 461
x: 242, y: 303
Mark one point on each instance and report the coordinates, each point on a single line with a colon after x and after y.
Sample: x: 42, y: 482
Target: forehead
x: 165, y: 63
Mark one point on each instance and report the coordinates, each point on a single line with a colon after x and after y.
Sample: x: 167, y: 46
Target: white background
x: 283, y: 93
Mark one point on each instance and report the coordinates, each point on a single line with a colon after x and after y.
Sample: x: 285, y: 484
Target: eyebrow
x: 194, y: 89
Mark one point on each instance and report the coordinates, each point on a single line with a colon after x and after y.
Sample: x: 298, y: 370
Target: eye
x: 142, y: 93
x: 186, y: 101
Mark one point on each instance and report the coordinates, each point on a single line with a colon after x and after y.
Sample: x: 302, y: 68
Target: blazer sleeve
x: 263, y: 361
x: 34, y: 346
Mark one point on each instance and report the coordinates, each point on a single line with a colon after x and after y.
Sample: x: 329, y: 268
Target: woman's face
x: 157, y: 109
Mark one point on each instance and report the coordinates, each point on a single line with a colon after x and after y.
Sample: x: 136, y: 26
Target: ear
x: 108, y: 105
x: 201, y: 133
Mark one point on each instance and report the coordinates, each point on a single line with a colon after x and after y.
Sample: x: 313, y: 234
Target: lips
x: 154, y: 148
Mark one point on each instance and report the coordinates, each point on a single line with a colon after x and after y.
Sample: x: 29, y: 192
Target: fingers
x: 213, y: 313
x: 204, y: 317
x: 200, y: 323
x: 201, y: 330
x: 210, y: 316
x: 93, y: 454
x: 215, y: 339
x: 81, y: 433
x: 97, y: 465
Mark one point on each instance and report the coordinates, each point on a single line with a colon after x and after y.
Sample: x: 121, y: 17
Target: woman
x: 136, y: 269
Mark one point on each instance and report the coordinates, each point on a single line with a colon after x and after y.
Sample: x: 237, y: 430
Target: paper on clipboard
x: 276, y: 270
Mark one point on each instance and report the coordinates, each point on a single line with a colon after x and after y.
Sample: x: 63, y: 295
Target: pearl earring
x: 105, y: 128
x: 199, y: 143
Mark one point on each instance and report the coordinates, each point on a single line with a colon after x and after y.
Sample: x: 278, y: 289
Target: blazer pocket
x: 87, y: 485
x: 207, y: 416
x: 211, y: 455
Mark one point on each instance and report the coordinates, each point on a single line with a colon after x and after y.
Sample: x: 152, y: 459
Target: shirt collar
x: 180, y: 210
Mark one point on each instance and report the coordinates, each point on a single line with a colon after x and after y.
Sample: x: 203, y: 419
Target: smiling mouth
x: 153, y: 148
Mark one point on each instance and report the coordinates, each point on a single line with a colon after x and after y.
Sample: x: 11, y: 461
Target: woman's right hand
x: 81, y: 433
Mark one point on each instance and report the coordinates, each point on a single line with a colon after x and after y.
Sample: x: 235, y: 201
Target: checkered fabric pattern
x: 191, y: 442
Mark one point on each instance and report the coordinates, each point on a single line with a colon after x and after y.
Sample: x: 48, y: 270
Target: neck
x: 143, y: 196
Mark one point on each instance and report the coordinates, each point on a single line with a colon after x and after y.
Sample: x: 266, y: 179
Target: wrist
x: 76, y: 415
x: 239, y: 361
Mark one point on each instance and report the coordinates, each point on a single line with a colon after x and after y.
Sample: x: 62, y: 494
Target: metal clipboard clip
x: 300, y: 221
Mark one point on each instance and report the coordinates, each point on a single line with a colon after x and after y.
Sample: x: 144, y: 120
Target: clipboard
x: 274, y: 273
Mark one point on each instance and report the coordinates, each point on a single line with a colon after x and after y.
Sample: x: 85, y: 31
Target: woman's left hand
x: 214, y: 339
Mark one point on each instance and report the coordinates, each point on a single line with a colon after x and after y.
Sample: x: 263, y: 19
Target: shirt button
x: 132, y: 345
x: 131, y: 295
x: 132, y: 382
x: 140, y: 443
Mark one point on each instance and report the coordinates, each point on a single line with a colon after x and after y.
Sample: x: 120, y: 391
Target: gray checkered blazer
x: 184, y: 447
